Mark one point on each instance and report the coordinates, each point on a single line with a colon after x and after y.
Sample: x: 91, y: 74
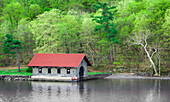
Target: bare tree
x: 140, y: 38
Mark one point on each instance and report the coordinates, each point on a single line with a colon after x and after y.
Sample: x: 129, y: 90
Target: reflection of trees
x: 15, y: 90
x: 154, y: 93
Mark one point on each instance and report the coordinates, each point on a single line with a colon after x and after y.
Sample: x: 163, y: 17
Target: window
x: 49, y: 70
x: 58, y: 71
x: 68, y: 71
x: 40, y: 70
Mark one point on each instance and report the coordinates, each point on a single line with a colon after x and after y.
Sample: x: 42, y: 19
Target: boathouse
x: 59, y: 66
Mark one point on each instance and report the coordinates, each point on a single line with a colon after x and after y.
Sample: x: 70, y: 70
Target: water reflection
x: 59, y: 91
x: 117, y: 90
x: 11, y: 91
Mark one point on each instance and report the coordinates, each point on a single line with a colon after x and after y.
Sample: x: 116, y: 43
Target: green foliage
x: 88, y: 4
x: 66, y: 37
x: 25, y: 35
x: 44, y: 32
x: 8, y: 44
x: 165, y: 71
x: 13, y: 13
x: 1, y: 57
x: 29, y: 70
x: 34, y: 10
x: 11, y: 45
x: 105, y: 22
x: 166, y: 27
x: 106, y: 27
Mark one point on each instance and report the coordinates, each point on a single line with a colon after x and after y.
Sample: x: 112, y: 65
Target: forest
x: 115, y: 35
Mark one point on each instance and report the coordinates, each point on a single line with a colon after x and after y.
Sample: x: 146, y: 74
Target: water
x: 104, y: 90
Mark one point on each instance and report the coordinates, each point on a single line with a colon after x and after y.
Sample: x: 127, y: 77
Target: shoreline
x: 91, y: 77
x: 50, y: 78
x: 134, y: 76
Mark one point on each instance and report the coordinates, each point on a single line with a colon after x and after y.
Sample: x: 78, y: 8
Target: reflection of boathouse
x: 60, y: 92
x: 62, y: 67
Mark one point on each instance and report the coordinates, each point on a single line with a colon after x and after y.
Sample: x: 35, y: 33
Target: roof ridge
x: 63, y: 53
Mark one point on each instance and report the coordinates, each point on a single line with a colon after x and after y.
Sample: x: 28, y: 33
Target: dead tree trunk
x: 150, y: 59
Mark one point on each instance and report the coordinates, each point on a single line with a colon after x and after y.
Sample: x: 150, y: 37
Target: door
x: 81, y: 73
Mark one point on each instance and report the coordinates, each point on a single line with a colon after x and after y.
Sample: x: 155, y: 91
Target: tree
x: 1, y: 56
x: 106, y: 25
x: 34, y: 10
x: 166, y: 27
x: 12, y: 46
x: 45, y: 30
x: 57, y: 33
x: 140, y: 38
x: 25, y: 35
x: 14, y: 12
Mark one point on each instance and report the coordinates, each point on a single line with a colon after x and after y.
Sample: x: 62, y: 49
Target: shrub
x: 29, y: 70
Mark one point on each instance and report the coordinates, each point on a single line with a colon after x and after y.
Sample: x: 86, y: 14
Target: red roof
x: 58, y: 60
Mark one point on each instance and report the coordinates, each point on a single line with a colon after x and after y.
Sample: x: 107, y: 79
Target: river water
x: 103, y: 90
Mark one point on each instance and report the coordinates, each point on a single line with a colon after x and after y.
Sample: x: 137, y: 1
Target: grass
x: 95, y: 73
x: 15, y: 72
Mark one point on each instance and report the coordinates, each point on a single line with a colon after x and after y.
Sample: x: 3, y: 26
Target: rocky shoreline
x: 11, y: 77
x: 134, y: 76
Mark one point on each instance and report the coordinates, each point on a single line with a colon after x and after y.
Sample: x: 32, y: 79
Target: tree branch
x: 154, y: 52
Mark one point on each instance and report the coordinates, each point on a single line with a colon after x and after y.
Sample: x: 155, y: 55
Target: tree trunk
x: 159, y: 65
x: 8, y: 60
x: 111, y: 57
x: 150, y: 59
x: 93, y: 60
x: 109, y: 3
x: 18, y: 61
x: 114, y: 51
